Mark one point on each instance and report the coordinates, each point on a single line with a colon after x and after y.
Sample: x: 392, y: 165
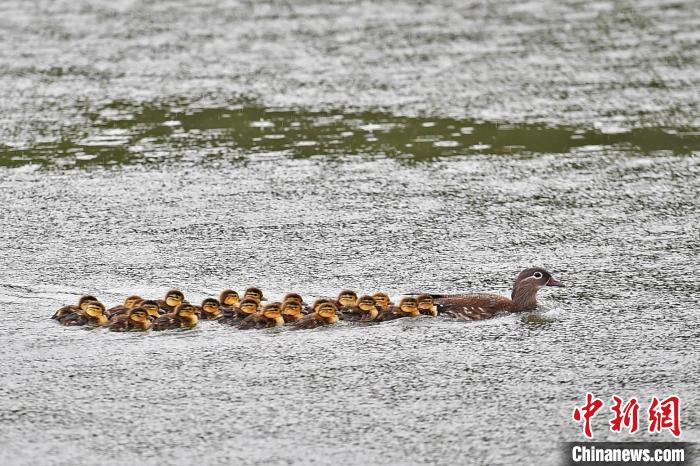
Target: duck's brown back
x: 475, y: 306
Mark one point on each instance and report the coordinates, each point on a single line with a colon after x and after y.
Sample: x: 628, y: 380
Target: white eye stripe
x: 537, y: 275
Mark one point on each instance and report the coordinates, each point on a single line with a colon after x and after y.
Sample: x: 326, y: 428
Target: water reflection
x: 123, y: 133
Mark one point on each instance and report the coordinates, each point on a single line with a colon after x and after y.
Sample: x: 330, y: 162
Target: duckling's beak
x: 553, y: 282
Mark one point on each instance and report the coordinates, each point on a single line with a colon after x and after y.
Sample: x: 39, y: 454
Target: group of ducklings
x: 249, y: 312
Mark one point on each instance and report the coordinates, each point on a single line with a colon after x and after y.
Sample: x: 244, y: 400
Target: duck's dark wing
x: 351, y: 313
x: 166, y: 322
x: 119, y: 323
x: 306, y: 322
x: 474, y: 306
x: 64, y: 311
x: 252, y: 321
x: 75, y: 318
x: 387, y: 314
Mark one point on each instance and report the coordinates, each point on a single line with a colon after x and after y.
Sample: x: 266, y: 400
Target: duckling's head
x: 318, y: 302
x: 347, y: 298
x: 131, y: 301
x: 139, y: 314
x: 211, y: 306
x: 327, y: 310
x: 94, y: 309
x: 253, y: 293
x: 426, y: 304
x: 272, y: 310
x: 366, y: 303
x: 185, y: 310
x: 174, y: 298
x: 527, y: 285
x: 409, y: 306
x: 151, y: 307
x: 291, y: 308
x: 248, y: 306
x: 84, y: 300
x: 296, y: 297
x: 382, y: 299
x: 229, y: 298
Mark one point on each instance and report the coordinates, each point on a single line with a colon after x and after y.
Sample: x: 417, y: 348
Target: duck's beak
x: 553, y: 282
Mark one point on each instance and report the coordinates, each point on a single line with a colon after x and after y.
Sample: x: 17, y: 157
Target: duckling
x: 93, y: 315
x: 71, y: 308
x: 382, y: 299
x: 291, y: 311
x: 253, y: 293
x: 137, y: 319
x: 408, y: 307
x: 426, y: 305
x: 297, y: 297
x: 232, y: 316
x: 366, y: 310
x: 173, y: 299
x: 151, y: 308
x: 325, y: 314
x: 129, y: 303
x: 182, y: 317
x: 346, y: 298
x: 209, y: 310
x: 269, y: 316
x: 229, y: 299
x: 483, y: 306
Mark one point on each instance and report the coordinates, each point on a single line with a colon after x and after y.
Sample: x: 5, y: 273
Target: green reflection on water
x: 124, y: 133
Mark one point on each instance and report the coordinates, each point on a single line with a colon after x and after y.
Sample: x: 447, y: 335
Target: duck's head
x: 94, y: 309
x: 409, y: 306
x: 139, y: 315
x: 248, y: 306
x: 327, y: 310
x: 84, y: 300
x: 272, y: 311
x: 527, y: 285
x: 229, y: 298
x: 131, y: 301
x: 318, y: 302
x: 174, y: 298
x: 426, y: 305
x: 296, y: 297
x: 382, y: 299
x: 253, y: 293
x: 291, y: 309
x: 347, y: 298
x: 366, y: 303
x: 185, y: 310
x: 151, y: 307
x: 211, y: 307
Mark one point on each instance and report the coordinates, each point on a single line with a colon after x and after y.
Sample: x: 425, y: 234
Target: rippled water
x: 133, y: 160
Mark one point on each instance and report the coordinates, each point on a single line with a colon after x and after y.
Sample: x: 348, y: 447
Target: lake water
x: 309, y: 147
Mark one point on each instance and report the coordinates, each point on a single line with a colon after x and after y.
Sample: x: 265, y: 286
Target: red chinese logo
x: 663, y: 414
x: 587, y: 412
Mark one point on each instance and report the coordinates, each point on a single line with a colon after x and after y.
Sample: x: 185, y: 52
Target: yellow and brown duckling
x: 292, y: 311
x: 92, y: 315
x: 346, y: 298
x: 129, y: 303
x: 325, y: 314
x: 172, y: 299
x: 229, y: 299
x: 426, y: 305
x: 366, y: 310
x: 71, y: 308
x: 152, y: 308
x: 483, y: 306
x: 234, y: 315
x: 254, y: 293
x: 382, y: 300
x: 296, y: 297
x: 184, y: 316
x: 137, y: 319
x: 268, y: 316
x: 209, y: 310
x: 408, y: 307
